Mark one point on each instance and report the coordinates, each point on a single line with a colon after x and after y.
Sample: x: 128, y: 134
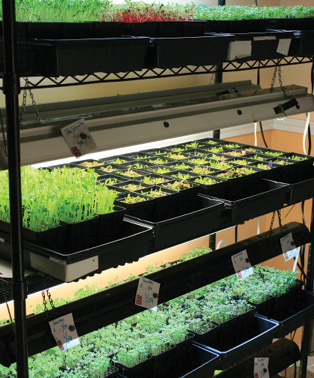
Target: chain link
x: 27, y: 88
x: 273, y: 219
x: 44, y: 300
x: 49, y: 298
x: 278, y: 70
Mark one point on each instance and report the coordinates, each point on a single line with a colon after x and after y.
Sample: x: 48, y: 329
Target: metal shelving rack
x: 11, y: 89
x: 66, y: 81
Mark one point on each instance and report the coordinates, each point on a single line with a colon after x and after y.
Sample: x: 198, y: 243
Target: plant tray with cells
x: 68, y: 216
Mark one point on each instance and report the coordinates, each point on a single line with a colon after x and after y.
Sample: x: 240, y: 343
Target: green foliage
x: 239, y: 12
x: 206, y: 180
x: 139, y: 11
x: 69, y: 195
x: 61, y: 10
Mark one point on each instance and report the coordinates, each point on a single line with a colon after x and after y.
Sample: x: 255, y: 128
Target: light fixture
x: 133, y: 119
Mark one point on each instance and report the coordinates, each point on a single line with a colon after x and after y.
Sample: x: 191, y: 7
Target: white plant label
x: 261, y: 367
x: 291, y: 254
x: 78, y: 138
x: 147, y: 293
x: 239, y: 49
x: 287, y: 243
x: 64, y: 332
x: 284, y: 46
x: 241, y: 264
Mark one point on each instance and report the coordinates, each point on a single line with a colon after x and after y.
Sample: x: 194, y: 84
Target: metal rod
x: 11, y: 90
x: 306, y: 339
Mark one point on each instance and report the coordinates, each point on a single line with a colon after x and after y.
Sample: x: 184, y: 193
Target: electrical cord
x: 306, y: 131
x: 309, y: 139
x: 220, y: 242
x: 262, y: 132
x: 8, y: 308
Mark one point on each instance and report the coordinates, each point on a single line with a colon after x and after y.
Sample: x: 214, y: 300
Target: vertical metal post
x: 11, y: 90
x: 307, y: 329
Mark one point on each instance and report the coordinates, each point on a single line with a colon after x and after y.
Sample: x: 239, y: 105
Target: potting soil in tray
x: 254, y: 334
x: 63, y: 57
x: 196, y: 216
x: 247, y: 200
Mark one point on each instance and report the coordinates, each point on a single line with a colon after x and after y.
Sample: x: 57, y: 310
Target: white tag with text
x: 147, y: 293
x: 241, y: 264
x: 64, y: 332
x: 261, y: 367
x: 287, y: 243
x: 78, y: 138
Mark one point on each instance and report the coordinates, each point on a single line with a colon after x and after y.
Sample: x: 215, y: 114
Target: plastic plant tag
x: 64, y: 332
x: 287, y: 243
x: 78, y: 138
x: 261, y: 367
x: 291, y: 254
x: 239, y: 49
x: 241, y: 264
x: 147, y: 293
x: 284, y: 46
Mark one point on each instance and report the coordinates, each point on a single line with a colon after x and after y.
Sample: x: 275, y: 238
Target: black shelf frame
x: 245, y: 65
x: 11, y: 89
x: 116, y: 303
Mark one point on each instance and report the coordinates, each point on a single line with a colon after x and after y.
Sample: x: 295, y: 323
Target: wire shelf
x: 66, y: 81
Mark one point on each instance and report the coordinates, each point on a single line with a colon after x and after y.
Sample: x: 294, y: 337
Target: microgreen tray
x: 253, y: 335
x: 197, y: 216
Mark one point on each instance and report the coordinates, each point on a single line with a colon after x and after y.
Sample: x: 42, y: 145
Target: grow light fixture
x: 134, y: 119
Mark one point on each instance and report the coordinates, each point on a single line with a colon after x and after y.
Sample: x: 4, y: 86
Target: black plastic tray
x: 291, y: 311
x: 63, y: 57
x: 300, y: 177
x: 178, y: 52
x: 198, y: 363
x: 246, y: 201
x: 125, y: 243
x: 197, y: 216
x: 255, y: 334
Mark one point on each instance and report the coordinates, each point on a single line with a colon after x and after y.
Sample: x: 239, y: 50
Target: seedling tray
x: 194, y: 218
x: 178, y: 52
x: 253, y: 335
x: 199, y: 363
x: 63, y: 57
x: 291, y: 311
x: 301, y: 180
x: 246, y: 201
x: 125, y: 243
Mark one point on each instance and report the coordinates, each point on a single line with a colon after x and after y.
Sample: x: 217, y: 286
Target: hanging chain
x: 272, y: 222
x: 273, y: 219
x: 44, y: 300
x: 31, y: 95
x: 49, y: 298
x: 277, y: 70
